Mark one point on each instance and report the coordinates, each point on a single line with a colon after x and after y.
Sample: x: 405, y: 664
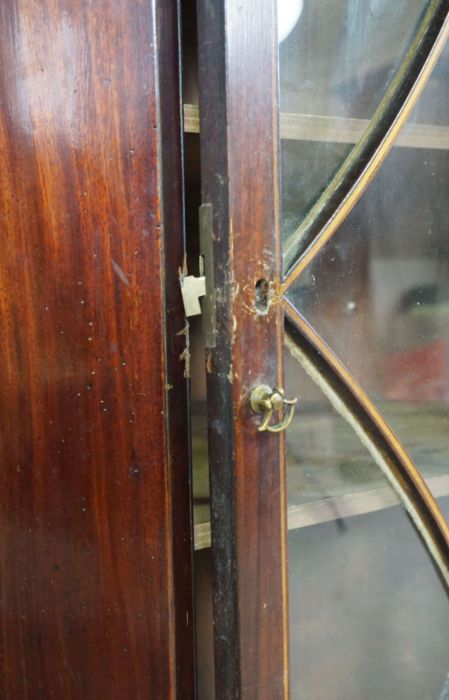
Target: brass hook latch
x: 266, y: 401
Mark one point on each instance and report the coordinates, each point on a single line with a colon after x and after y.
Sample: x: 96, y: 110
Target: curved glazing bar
x: 351, y: 180
x: 368, y: 611
x: 334, y: 69
x: 351, y: 402
x: 378, y: 292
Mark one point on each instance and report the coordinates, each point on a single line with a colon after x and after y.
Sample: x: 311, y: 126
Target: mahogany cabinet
x: 95, y: 560
x: 224, y: 365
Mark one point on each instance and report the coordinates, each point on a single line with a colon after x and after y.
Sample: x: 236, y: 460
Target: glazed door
x: 324, y: 136
x: 95, y: 584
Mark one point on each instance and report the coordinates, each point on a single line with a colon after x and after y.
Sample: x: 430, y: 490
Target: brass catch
x: 267, y: 401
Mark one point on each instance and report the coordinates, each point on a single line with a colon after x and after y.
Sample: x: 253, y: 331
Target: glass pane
x: 368, y: 614
x: 378, y: 293
x: 337, y: 58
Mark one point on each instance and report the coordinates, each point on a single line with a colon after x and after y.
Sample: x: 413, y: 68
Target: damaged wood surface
x: 248, y: 515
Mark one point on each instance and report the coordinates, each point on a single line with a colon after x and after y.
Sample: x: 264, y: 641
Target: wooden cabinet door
x: 333, y: 289
x: 95, y: 583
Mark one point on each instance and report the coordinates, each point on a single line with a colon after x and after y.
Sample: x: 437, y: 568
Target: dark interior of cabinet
x: 192, y: 179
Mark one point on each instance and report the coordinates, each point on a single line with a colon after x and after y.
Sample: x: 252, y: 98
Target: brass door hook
x: 266, y: 401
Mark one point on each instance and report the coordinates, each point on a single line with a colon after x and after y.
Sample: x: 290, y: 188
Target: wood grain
x: 248, y: 513
x: 177, y: 386
x: 87, y: 584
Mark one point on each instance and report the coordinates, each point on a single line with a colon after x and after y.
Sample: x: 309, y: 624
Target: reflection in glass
x: 289, y: 12
x: 378, y: 293
x: 335, y: 66
x: 368, y: 614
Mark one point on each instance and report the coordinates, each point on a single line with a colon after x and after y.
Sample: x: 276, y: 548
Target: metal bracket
x: 193, y: 288
x: 207, y: 268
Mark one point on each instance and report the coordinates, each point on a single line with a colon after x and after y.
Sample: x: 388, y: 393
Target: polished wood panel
x: 248, y: 515
x: 87, y: 583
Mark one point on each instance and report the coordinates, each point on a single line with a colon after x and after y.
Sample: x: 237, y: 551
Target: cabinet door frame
x: 177, y: 386
x: 238, y: 69
x: 239, y: 140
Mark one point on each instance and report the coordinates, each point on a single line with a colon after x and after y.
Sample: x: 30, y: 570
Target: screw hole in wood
x: 262, y: 301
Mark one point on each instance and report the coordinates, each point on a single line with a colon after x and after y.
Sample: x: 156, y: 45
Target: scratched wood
x: 88, y: 588
x: 248, y: 514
